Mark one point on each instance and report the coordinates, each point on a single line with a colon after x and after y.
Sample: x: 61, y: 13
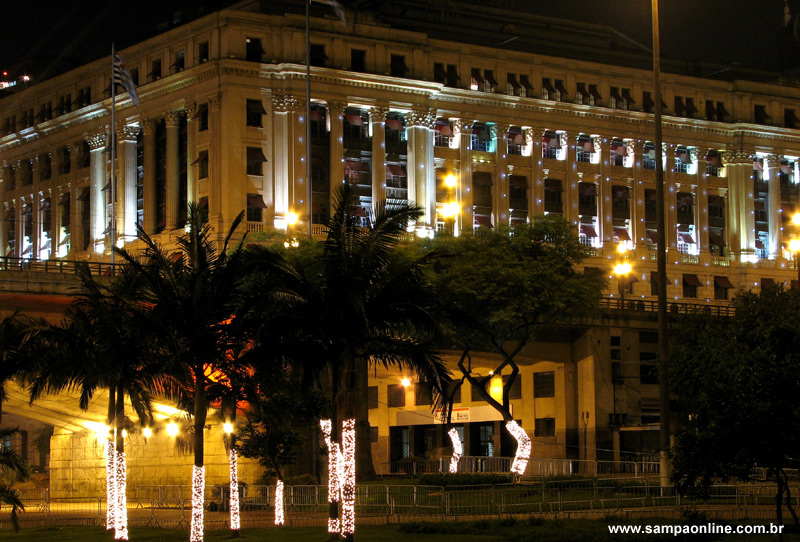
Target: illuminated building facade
x: 222, y: 123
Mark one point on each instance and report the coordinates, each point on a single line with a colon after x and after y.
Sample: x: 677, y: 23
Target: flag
x: 123, y: 77
x: 337, y: 8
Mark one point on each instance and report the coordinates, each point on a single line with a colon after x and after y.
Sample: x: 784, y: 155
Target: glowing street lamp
x: 450, y: 181
x: 621, y: 270
x: 172, y: 429
x: 794, y: 247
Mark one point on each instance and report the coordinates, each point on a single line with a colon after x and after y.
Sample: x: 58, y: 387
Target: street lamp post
x: 450, y: 210
x: 621, y: 270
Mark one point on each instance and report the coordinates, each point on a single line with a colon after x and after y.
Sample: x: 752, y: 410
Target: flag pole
x: 113, y: 157
x: 309, y: 205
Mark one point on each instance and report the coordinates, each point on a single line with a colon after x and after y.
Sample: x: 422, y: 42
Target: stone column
x: 36, y: 230
x: 740, y: 224
x: 216, y: 188
x: 635, y: 148
x: 173, y: 181
x: 421, y: 169
x: 774, y: 206
x: 570, y: 201
x: 670, y: 195
x: 533, y: 139
x: 462, y: 129
x: 605, y: 208
x: 97, y: 181
x: 149, y: 180
x: 126, y: 213
x: 283, y: 155
x: 377, y: 115
x: 20, y: 225
x: 191, y: 128
x: 500, y: 201
x: 336, y: 119
x: 701, y: 216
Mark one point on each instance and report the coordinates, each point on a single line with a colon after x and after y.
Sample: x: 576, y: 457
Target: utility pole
x: 661, y: 265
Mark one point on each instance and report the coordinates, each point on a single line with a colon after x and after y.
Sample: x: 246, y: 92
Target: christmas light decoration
x: 198, y: 490
x: 121, y: 516
x: 333, y: 472
x: 348, y: 478
x: 234, y: 490
x: 111, y: 482
x: 523, y: 448
x: 279, y: 503
x: 457, y: 450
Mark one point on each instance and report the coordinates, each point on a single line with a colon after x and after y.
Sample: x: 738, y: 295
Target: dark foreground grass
x: 480, y: 531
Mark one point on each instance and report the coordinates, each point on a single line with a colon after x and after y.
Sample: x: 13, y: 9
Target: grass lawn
x: 480, y: 531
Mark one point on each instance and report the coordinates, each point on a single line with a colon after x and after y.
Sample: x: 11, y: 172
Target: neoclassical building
x: 222, y: 122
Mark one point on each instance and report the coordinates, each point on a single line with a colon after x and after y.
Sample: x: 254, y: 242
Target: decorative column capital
x: 285, y: 103
x: 738, y: 156
x: 462, y: 126
x: 214, y: 102
x: 421, y: 117
x: 129, y: 132
x: 336, y: 109
x: 96, y: 141
x: 774, y: 160
x: 148, y: 127
x: 190, y: 109
x: 378, y: 113
x: 172, y: 118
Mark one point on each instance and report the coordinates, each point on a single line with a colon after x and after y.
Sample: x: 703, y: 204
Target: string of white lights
x: 111, y: 483
x: 279, y: 503
x: 198, y: 490
x: 348, y: 478
x: 121, y: 518
x: 523, y: 448
x: 234, y: 490
x: 333, y: 472
x: 457, y: 450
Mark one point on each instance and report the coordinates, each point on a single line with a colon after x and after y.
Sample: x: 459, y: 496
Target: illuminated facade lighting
x: 457, y: 450
x: 198, y: 490
x: 348, y: 478
x: 121, y: 517
x: 234, y: 490
x: 279, y: 503
x: 523, y: 448
x: 333, y: 473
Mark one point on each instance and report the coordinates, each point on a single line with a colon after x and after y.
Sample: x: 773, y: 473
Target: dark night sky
x: 743, y: 31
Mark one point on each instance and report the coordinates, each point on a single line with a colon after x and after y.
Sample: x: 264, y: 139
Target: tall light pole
x: 661, y: 265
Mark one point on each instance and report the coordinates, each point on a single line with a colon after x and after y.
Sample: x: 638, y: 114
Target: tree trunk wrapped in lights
x: 121, y: 517
x: 111, y: 484
x: 523, y: 448
x: 198, y: 490
x: 457, y: 450
x: 348, y: 478
x: 234, y: 490
x: 279, y: 503
x: 333, y: 477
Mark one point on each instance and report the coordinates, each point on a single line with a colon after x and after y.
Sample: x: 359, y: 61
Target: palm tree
x: 196, y: 307
x: 11, y: 464
x: 12, y: 335
x: 104, y: 343
x: 359, y: 301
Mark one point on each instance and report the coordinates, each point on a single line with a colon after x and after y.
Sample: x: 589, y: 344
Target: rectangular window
x: 179, y: 64
x: 373, y: 433
x: 454, y: 390
x: 253, y: 52
x: 317, y: 55
x: 396, y: 395
x: 398, y: 66
x: 202, y: 52
x: 423, y: 394
x: 358, y: 60
x: 439, y: 73
x: 372, y: 397
x: 760, y: 115
x: 544, y: 384
x: 155, y: 70
x: 474, y: 390
x: 255, y: 161
x: 544, y: 427
x: 515, y: 392
x: 202, y: 117
x: 202, y: 165
x: 648, y: 337
x: 650, y: 416
x: 64, y: 163
x: 690, y: 285
x: 255, y: 112
x: 452, y: 76
x: 255, y: 206
x: 648, y: 373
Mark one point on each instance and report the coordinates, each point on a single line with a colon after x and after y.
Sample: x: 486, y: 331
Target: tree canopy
x: 738, y: 384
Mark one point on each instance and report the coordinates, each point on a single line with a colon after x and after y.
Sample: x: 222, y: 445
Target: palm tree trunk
x: 111, y: 456
x: 121, y: 517
x: 198, y: 470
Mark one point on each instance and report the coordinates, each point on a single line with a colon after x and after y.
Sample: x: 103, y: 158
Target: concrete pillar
x: 173, y: 180
x: 701, y: 216
x: 570, y: 195
x: 336, y: 119
x: 634, y: 149
x: 421, y: 169
x: 500, y: 201
x: 740, y: 223
x: 533, y: 139
x: 283, y: 158
x: 216, y: 189
x: 670, y: 194
x: 149, y: 179
x: 126, y: 212
x: 774, y: 206
x: 377, y: 116
x: 97, y: 181
x: 462, y: 129
x: 191, y: 128
x: 604, y: 194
